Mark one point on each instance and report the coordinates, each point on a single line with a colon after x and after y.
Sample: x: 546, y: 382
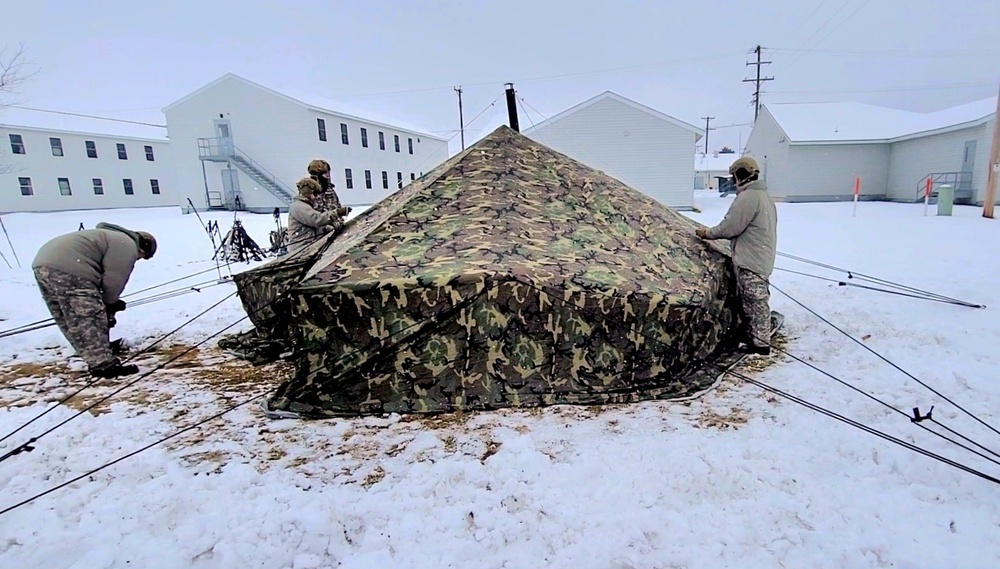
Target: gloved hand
x: 117, y: 306
x: 112, y: 321
x: 343, y: 211
x: 701, y: 232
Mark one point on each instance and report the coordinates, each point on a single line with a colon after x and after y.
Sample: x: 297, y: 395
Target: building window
x: 399, y: 180
x: 348, y: 179
x: 368, y: 179
x: 343, y: 133
x: 56, y: 144
x: 64, y: 188
x: 412, y: 176
x: 122, y: 155
x: 16, y: 144
x: 91, y: 149
x: 385, y: 180
x: 98, y: 186
x: 127, y: 183
x: 154, y: 186
x: 381, y: 140
x: 409, y: 142
x: 364, y: 137
x: 26, y: 186
x: 321, y: 128
x: 395, y: 137
x: 149, y: 152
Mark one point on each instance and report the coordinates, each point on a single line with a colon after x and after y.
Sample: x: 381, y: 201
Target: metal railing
x: 223, y: 149
x: 960, y: 181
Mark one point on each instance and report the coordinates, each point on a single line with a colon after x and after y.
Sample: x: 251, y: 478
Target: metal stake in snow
x: 857, y: 191
x: 9, y: 243
x: 211, y: 235
x: 927, y: 195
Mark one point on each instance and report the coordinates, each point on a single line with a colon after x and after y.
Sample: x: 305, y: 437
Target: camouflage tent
x: 511, y: 275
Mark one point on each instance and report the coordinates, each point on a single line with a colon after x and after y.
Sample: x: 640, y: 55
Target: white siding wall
x: 643, y: 151
x: 827, y: 172
x: 44, y: 169
x: 910, y: 161
x: 983, y: 163
x: 282, y: 136
x: 769, y: 147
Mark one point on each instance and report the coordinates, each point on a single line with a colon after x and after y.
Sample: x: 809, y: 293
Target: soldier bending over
x: 81, y: 276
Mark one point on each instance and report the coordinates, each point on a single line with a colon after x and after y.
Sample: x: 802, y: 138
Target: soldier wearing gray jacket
x: 81, y: 276
x: 751, y: 225
x: 305, y: 224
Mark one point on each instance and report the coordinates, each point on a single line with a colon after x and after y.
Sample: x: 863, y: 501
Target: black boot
x: 756, y: 350
x: 113, y: 368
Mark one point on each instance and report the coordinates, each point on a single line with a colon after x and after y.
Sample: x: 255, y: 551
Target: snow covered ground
x: 738, y: 478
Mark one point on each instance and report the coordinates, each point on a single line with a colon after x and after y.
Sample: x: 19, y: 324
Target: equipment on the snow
x: 237, y: 246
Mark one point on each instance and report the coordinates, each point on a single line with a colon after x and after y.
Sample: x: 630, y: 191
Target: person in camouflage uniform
x: 327, y: 199
x: 752, y: 226
x: 305, y: 223
x: 81, y: 276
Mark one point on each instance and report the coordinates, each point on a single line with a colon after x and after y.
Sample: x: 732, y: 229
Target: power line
x: 890, y: 52
x: 86, y: 116
x: 888, y: 89
x: 757, y: 82
x: 707, y: 120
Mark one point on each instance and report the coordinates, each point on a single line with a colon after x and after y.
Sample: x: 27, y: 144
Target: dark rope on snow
x: 197, y: 424
x: 92, y: 382
x: 883, y: 358
x: 876, y: 289
x: 9, y: 243
x: 884, y: 282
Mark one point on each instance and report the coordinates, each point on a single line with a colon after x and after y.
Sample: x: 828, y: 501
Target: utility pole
x: 512, y: 108
x: 461, y: 120
x: 757, y: 82
x: 993, y: 176
x: 706, y: 132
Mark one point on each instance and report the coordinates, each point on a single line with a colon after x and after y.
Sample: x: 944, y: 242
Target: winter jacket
x: 104, y: 256
x: 752, y: 226
x: 305, y: 224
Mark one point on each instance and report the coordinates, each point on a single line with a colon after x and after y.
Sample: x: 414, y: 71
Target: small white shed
x: 816, y: 151
x: 644, y: 148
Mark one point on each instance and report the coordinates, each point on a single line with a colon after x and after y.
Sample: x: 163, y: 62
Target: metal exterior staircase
x: 223, y: 150
x: 961, y: 182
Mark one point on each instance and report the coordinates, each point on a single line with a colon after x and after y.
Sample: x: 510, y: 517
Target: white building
x: 54, y: 162
x: 642, y: 147
x: 815, y: 151
x: 709, y: 167
x: 235, y: 139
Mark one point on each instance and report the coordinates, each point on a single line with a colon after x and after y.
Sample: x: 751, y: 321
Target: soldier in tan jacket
x: 81, y: 276
x: 751, y: 225
x: 305, y: 224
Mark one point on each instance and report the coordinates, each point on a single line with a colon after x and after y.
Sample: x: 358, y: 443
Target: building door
x: 224, y: 134
x: 231, y: 187
x: 968, y: 165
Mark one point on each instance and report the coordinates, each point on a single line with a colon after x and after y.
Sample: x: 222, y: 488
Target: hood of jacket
x: 112, y: 227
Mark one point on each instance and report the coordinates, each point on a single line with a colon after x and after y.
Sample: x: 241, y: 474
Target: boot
x: 756, y: 350
x: 113, y: 368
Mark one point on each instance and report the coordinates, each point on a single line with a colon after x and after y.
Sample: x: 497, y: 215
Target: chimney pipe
x: 512, y: 108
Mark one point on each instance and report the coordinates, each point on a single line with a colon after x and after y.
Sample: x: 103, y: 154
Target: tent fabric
x: 510, y: 276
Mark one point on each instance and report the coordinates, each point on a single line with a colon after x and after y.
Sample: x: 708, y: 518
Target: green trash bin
x: 945, y: 199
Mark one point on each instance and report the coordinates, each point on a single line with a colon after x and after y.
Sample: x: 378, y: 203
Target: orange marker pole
x: 857, y: 192
x: 927, y: 195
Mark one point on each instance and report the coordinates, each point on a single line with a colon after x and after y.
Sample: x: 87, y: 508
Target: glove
x: 112, y: 321
x: 343, y: 211
x: 701, y: 232
x: 117, y: 306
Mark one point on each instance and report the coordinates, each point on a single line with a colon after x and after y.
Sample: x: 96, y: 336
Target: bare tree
x: 15, y: 70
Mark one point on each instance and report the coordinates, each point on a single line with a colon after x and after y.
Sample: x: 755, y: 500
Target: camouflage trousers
x: 78, y: 309
x: 755, y: 294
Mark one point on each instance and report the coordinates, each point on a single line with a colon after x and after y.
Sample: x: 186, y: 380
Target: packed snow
x: 739, y: 477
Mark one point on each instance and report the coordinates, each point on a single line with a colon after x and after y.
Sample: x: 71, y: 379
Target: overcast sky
x: 402, y: 58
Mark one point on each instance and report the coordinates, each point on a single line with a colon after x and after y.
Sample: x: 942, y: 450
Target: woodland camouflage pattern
x: 511, y: 275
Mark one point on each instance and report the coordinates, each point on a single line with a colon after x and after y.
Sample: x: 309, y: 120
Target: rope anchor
x: 917, y: 418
